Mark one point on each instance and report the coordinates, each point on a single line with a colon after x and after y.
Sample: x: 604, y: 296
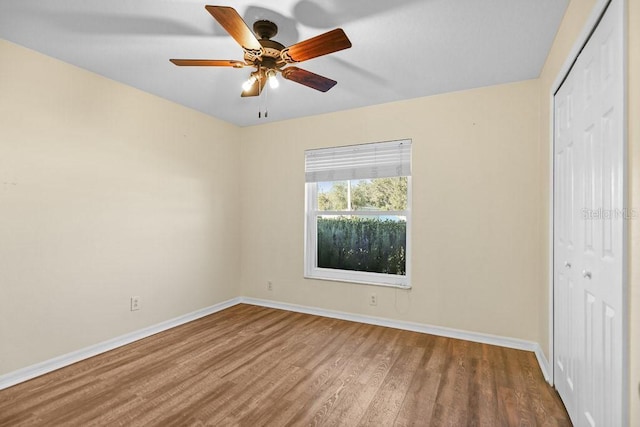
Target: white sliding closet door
x: 588, y: 229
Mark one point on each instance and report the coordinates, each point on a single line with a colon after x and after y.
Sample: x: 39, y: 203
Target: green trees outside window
x: 352, y: 241
x: 386, y: 194
x: 373, y: 244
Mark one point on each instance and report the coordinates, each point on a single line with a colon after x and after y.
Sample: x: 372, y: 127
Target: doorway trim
x: 589, y: 27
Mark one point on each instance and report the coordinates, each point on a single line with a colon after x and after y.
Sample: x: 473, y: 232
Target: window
x: 358, y: 213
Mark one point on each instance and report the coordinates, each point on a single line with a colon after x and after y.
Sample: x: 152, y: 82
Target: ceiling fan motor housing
x: 265, y: 29
x: 270, y: 48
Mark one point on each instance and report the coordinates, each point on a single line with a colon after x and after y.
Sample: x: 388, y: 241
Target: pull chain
x: 259, y: 94
x: 266, y: 95
x: 266, y: 100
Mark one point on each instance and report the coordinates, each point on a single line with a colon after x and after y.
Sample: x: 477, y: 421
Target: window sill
x: 358, y: 281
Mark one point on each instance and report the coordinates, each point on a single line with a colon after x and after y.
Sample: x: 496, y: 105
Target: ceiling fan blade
x: 256, y: 88
x: 232, y: 22
x: 307, y: 78
x: 323, y: 44
x: 208, y: 63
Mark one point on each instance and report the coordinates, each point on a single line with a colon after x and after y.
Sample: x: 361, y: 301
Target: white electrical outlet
x: 135, y: 303
x: 269, y: 285
x: 373, y: 299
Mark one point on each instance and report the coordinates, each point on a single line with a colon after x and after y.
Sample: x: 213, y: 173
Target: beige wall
x: 476, y: 249
x: 105, y: 192
x: 108, y: 192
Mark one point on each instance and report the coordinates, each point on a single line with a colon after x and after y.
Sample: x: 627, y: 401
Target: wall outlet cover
x: 373, y: 299
x: 135, y: 303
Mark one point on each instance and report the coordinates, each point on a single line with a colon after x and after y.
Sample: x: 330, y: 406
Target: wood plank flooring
x: 255, y: 366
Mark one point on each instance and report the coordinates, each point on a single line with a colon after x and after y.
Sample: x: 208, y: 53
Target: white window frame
x: 311, y: 269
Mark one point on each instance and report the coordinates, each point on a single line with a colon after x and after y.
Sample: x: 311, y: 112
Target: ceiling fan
x: 269, y: 57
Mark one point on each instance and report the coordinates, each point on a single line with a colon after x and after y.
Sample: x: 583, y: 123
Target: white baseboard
x: 478, y: 337
x: 544, y: 364
x: 29, y: 372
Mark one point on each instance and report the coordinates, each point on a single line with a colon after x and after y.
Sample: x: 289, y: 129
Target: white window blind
x: 376, y: 160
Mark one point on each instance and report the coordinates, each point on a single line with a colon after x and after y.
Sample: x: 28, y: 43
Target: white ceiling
x: 401, y: 49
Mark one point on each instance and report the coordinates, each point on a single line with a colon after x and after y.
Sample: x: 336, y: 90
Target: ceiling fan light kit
x: 269, y: 57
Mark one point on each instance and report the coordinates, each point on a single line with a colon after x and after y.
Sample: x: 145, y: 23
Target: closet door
x: 588, y: 229
x: 566, y: 247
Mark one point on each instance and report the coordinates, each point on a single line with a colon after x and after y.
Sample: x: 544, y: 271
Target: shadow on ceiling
x: 333, y: 13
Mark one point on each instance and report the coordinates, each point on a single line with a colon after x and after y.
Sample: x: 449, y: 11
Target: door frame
x: 592, y: 22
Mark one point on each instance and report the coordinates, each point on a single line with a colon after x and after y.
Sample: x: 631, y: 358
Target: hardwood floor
x: 250, y: 366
